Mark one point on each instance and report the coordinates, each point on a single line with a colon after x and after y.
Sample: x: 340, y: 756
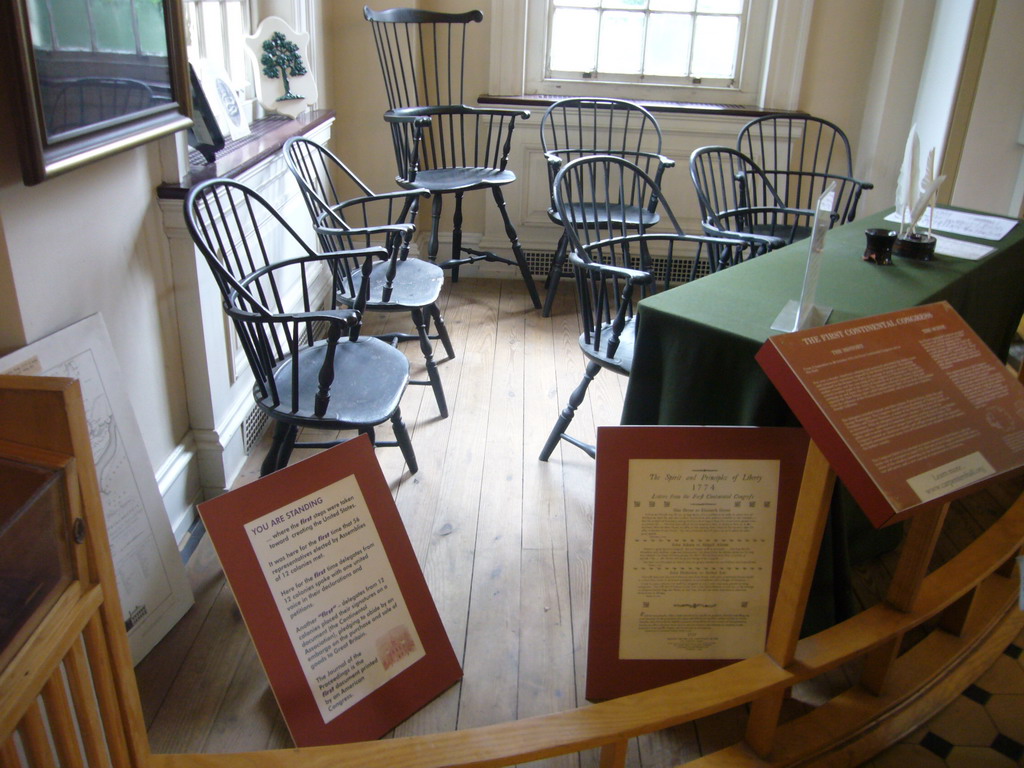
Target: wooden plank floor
x: 503, y: 539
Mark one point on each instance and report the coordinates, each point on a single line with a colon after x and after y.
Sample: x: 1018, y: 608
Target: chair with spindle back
x: 303, y: 345
x: 577, y: 127
x: 737, y: 200
x: 801, y: 155
x: 347, y: 215
x: 612, y: 251
x: 442, y: 144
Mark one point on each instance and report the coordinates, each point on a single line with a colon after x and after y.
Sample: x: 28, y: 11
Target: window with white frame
x: 216, y: 32
x: 659, y: 50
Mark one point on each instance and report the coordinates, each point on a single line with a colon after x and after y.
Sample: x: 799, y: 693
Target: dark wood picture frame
x: 76, y: 106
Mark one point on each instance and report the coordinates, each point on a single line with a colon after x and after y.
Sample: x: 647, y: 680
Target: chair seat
x: 417, y: 283
x: 461, y: 179
x: 634, y: 215
x: 622, y: 360
x: 360, y: 399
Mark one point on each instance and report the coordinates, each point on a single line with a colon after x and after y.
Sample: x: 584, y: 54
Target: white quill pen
x: 922, y: 202
x: 927, y: 190
x: 910, y: 172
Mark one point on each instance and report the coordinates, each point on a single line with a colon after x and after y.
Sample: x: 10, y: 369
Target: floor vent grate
x: 539, y: 263
x: 253, y: 427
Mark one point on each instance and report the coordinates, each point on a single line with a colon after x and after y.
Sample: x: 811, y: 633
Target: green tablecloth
x: 694, y: 357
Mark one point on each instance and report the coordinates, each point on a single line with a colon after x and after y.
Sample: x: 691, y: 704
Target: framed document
x: 330, y: 590
x: 690, y: 529
x: 94, y: 82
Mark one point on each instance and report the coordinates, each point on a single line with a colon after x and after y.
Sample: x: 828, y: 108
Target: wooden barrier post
x: 791, y: 602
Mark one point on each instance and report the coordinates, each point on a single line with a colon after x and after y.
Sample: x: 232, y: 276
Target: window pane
x: 577, y: 3
x: 574, y: 40
x: 720, y: 6
x: 236, y: 64
x: 668, y: 44
x: 71, y: 24
x: 714, y: 46
x: 622, y: 38
x: 113, y: 21
x: 672, y: 5
x: 152, y: 37
x: 213, y: 32
x: 631, y: 5
x: 39, y: 21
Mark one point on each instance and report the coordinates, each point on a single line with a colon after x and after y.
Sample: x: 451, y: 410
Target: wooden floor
x: 503, y: 539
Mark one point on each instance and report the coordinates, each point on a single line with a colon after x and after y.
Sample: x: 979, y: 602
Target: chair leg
x: 435, y: 222
x: 442, y: 330
x: 554, y: 275
x: 517, y: 249
x: 280, y: 448
x: 428, y: 359
x: 404, y: 442
x: 456, y: 236
x: 566, y: 416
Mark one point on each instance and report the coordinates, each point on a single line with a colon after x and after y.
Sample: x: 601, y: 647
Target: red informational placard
x: 331, y: 593
x: 690, y: 531
x: 910, y: 408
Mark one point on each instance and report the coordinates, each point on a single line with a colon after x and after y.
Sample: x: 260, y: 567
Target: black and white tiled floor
x: 981, y: 728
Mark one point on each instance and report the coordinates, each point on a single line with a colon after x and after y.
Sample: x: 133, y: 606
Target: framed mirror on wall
x: 94, y: 77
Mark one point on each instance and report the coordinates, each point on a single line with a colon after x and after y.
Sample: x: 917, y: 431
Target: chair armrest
x: 393, y: 194
x: 346, y: 318
x: 407, y: 116
x: 762, y: 243
x: 633, y: 276
x: 556, y: 157
x: 329, y: 223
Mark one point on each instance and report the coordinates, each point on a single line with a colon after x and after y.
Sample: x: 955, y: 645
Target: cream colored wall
x: 991, y: 175
x: 92, y: 241
x: 839, y: 59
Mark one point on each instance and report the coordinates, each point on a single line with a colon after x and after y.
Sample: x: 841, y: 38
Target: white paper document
x: 982, y: 226
x: 961, y: 249
x: 337, y: 595
x: 698, y: 558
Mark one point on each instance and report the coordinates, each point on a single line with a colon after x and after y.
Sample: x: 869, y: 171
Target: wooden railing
x: 964, y: 611
x: 970, y: 601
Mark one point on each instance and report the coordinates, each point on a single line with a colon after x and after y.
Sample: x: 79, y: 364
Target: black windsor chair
x: 576, y: 127
x: 801, y: 155
x: 614, y: 258
x: 311, y: 366
x: 348, y: 215
x: 441, y: 144
x: 738, y: 201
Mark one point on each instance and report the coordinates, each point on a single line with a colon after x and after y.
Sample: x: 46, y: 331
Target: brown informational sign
x: 330, y: 590
x: 690, y: 530
x: 910, y: 408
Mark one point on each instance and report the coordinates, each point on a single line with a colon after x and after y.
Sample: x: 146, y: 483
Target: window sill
x: 267, y: 137
x: 665, y: 107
